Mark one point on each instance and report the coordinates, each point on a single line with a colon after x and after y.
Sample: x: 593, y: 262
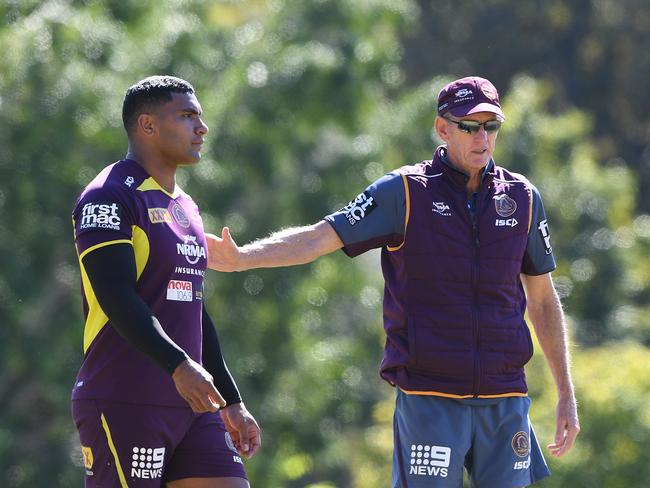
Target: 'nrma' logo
x: 190, y: 249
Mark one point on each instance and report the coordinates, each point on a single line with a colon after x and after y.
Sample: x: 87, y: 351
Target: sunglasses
x: 472, y: 127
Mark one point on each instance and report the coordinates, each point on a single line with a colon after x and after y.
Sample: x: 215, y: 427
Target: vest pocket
x: 439, y: 348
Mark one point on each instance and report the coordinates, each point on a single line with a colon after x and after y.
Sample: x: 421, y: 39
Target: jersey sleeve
x: 102, y: 216
x: 538, y: 258
x: 375, y: 218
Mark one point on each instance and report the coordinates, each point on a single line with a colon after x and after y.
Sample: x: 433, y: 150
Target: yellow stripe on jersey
x: 151, y: 184
x: 141, y: 249
x: 97, y: 319
x: 111, y: 445
x: 450, y: 395
x: 408, y: 212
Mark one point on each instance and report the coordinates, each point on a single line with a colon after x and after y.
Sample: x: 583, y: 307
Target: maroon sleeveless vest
x: 453, y: 303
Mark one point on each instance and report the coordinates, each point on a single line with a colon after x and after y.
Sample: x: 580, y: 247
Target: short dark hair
x: 149, y: 93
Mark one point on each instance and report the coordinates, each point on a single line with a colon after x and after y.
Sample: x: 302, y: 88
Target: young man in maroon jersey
x: 153, y: 401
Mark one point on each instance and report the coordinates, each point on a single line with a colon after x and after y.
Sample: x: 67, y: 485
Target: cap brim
x: 481, y: 107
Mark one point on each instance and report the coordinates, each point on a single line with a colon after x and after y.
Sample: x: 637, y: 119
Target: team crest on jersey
x: 520, y: 444
x: 179, y: 215
x: 87, y: 454
x: 229, y: 442
x: 231, y: 446
x: 159, y: 215
x: 504, y: 205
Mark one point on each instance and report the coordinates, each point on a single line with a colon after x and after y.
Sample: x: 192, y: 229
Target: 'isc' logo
x: 505, y: 222
x: 522, y: 464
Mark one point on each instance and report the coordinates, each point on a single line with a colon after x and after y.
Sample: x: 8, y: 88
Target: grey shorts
x: 436, y: 437
x: 146, y: 445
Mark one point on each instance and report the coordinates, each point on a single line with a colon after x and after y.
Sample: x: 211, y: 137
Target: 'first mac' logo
x: 100, y: 216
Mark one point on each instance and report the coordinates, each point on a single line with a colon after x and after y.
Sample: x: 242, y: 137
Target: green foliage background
x: 307, y: 102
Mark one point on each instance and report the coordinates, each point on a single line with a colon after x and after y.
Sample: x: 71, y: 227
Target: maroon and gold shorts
x: 132, y: 445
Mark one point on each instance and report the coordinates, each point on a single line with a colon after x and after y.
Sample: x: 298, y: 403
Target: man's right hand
x: 196, y: 387
x: 223, y: 253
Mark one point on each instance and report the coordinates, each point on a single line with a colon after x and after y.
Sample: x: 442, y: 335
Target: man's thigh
x: 505, y: 453
x: 432, y: 437
x: 128, y: 444
x: 206, y: 457
x: 209, y: 483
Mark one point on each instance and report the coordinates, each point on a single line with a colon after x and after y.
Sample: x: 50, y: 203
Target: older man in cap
x: 465, y: 251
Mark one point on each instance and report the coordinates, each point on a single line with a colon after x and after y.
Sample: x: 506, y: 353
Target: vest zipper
x: 475, y: 287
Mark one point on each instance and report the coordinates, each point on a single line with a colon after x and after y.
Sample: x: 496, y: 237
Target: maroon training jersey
x: 123, y: 204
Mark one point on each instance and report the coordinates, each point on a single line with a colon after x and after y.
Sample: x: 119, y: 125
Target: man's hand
x: 567, y: 426
x: 223, y: 253
x: 545, y: 312
x: 243, y: 429
x: 195, y: 385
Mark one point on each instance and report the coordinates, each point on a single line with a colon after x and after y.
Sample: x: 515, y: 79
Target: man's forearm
x: 548, y: 320
x: 214, y: 362
x: 288, y: 247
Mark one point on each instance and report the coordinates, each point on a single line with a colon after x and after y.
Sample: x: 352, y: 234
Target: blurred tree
x: 587, y: 50
x: 613, y: 388
x: 590, y: 206
x: 307, y: 103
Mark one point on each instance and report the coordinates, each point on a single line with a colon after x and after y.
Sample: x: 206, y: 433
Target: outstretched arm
x: 545, y: 312
x: 288, y: 247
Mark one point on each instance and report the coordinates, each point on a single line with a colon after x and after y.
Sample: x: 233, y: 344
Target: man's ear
x: 146, y: 124
x: 442, y: 128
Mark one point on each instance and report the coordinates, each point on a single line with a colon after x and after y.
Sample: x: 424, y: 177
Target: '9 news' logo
x: 430, y: 460
x: 147, y: 462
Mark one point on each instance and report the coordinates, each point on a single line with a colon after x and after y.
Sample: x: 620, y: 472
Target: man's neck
x: 164, y: 174
x: 474, y: 182
x: 474, y: 177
